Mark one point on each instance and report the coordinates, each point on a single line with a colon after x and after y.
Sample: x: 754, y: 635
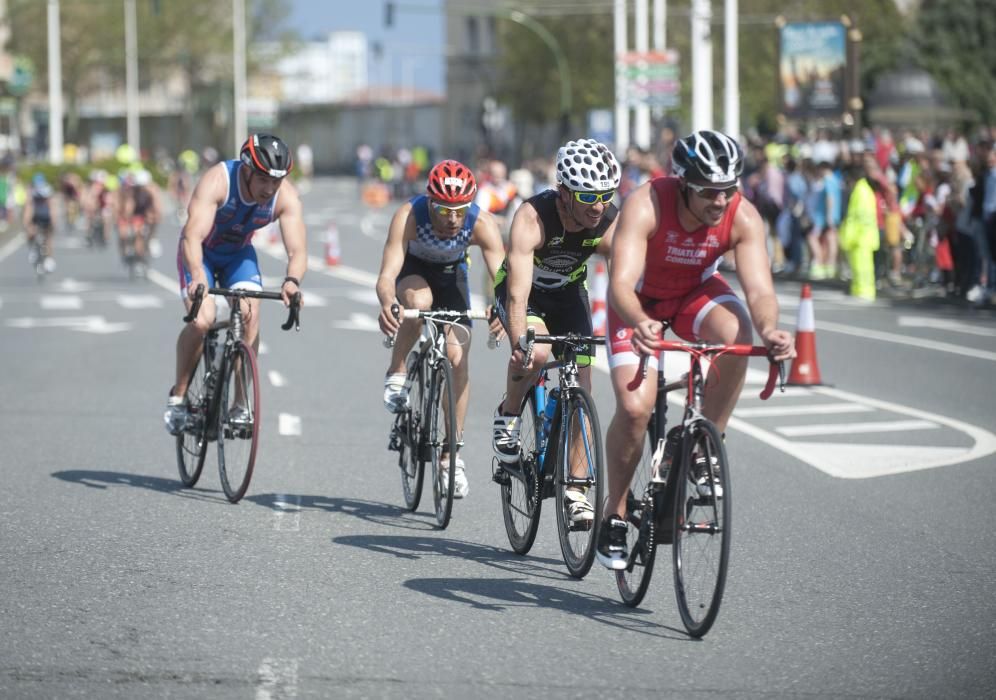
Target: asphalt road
x: 862, y: 561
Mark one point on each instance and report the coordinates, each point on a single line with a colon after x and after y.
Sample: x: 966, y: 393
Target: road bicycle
x: 681, y: 493
x: 36, y: 255
x: 425, y: 430
x: 135, y: 247
x: 223, y: 395
x: 561, y: 449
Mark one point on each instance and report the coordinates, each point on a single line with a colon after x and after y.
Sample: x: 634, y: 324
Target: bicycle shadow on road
x: 499, y: 595
x: 101, y: 479
x: 414, y: 548
x: 371, y: 511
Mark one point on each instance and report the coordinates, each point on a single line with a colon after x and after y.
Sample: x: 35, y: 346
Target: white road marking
x: 364, y: 296
x: 287, y: 513
x: 276, y: 678
x: 71, y: 285
x: 793, y: 410
x: 170, y: 284
x: 276, y: 379
x: 359, y: 322
x: 289, y: 424
x: 86, y: 324
x: 911, y: 341
x: 893, y: 426
x: 139, y: 301
x: 946, y: 324
x: 264, y: 349
x: 12, y: 245
x: 62, y: 302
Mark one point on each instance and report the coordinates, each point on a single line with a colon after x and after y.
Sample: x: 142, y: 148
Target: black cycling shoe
x: 611, y: 549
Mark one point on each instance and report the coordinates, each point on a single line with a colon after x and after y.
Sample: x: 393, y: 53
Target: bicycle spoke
x: 634, y: 580
x: 409, y: 424
x: 238, y: 423
x: 702, y: 528
x: 442, y: 441
x: 191, y: 444
x: 520, y: 497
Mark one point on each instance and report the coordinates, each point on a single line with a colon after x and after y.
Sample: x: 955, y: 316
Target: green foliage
x: 956, y: 43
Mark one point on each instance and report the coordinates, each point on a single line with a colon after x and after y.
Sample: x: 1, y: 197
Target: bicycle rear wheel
x: 581, y: 448
x: 238, y: 422
x: 521, y: 497
x: 191, y: 444
x: 441, y: 440
x: 409, y: 424
x: 701, y: 546
x: 641, y: 541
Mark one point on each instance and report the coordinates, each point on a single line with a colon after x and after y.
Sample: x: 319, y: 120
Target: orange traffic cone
x: 599, y: 292
x: 332, y: 250
x: 805, y: 368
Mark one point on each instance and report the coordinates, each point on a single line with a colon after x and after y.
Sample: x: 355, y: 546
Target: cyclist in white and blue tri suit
x: 231, y: 202
x: 425, y: 267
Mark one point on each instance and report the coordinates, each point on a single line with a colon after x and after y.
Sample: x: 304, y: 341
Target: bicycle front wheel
x: 191, y: 444
x: 701, y: 548
x: 409, y: 425
x: 441, y: 440
x: 521, y: 495
x: 580, y: 468
x: 641, y: 542
x: 238, y: 422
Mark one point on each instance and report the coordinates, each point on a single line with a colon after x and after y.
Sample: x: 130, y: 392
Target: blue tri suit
x: 228, y: 251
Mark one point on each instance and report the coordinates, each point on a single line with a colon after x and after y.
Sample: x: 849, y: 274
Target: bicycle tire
x: 641, y: 537
x: 409, y: 422
x: 238, y: 441
x: 701, y: 547
x: 442, y: 411
x: 578, y: 545
x: 521, y: 497
x: 191, y: 444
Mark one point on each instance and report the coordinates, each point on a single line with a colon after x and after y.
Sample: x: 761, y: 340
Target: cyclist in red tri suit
x: 672, y: 233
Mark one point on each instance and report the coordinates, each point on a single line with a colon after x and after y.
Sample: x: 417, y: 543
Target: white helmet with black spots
x: 587, y: 166
x: 709, y: 158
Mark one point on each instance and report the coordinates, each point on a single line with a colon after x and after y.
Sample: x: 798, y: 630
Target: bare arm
x: 487, y: 236
x: 290, y: 215
x: 605, y: 245
x: 637, y: 223
x: 748, y: 240
x: 400, y: 232
x: 209, y: 194
x: 525, y: 237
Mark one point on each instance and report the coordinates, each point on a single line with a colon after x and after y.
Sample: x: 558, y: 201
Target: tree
x: 954, y: 43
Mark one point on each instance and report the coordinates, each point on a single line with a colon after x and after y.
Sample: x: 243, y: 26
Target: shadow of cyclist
x: 371, y: 511
x: 102, y: 479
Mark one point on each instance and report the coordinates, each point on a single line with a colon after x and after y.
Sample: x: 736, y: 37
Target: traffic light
x: 388, y: 14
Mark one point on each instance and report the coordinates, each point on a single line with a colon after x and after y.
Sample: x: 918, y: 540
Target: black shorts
x: 562, y: 311
x: 447, y: 282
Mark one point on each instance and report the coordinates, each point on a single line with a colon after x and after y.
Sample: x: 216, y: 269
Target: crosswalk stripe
x: 845, y: 428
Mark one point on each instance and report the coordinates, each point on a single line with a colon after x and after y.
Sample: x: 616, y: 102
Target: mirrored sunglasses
x: 445, y: 211
x: 712, y: 192
x: 594, y: 197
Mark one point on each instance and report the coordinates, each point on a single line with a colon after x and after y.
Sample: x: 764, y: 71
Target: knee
x: 416, y: 298
x: 632, y: 414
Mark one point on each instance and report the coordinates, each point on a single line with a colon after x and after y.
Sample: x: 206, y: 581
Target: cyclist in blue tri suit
x: 425, y: 267
x: 228, y: 205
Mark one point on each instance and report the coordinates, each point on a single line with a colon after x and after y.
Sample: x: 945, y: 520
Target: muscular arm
x: 400, y: 232
x: 753, y: 271
x: 488, y: 238
x: 207, y: 197
x: 289, y: 214
x: 525, y: 237
x: 605, y: 245
x: 637, y: 223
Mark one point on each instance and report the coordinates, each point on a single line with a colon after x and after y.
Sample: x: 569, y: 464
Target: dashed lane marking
x: 276, y: 678
x: 287, y: 513
x: 893, y: 426
x: 61, y: 302
x: 289, y: 424
x: 276, y: 379
x: 815, y: 409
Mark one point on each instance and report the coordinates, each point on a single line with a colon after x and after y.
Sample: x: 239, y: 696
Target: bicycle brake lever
x: 195, y: 305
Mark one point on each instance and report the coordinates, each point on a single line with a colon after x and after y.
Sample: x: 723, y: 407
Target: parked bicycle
x: 223, y: 396
x: 425, y: 431
x: 561, y: 451
x: 681, y: 495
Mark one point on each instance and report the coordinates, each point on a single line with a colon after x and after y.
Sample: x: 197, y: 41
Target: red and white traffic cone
x: 332, y: 250
x: 599, y: 293
x: 805, y: 368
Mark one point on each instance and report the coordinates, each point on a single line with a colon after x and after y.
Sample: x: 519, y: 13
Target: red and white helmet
x: 451, y: 182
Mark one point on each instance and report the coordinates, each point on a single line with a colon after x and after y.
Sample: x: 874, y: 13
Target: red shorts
x: 684, y: 315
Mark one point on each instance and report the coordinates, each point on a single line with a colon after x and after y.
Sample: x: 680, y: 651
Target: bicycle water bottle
x: 549, y: 409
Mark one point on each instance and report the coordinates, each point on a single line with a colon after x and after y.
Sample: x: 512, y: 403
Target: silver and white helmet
x: 587, y: 166
x: 708, y: 158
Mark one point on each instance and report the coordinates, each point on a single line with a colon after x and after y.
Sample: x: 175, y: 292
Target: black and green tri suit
x: 559, y: 296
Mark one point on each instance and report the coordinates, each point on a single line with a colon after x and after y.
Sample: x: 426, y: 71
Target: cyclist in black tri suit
x: 38, y: 219
x: 542, y: 281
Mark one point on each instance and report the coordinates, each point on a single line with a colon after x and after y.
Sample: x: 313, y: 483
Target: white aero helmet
x: 709, y: 158
x: 587, y: 166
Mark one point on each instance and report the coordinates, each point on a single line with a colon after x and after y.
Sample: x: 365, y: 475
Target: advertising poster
x: 812, y: 69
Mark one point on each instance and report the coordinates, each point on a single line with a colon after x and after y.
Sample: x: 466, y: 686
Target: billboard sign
x: 812, y: 69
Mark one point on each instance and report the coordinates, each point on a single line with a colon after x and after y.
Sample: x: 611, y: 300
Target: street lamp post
x: 54, y: 84
x: 239, y: 70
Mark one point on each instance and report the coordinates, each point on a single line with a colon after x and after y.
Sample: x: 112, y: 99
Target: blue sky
x: 412, y: 48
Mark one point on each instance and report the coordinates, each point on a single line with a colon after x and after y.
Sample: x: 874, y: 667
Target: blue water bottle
x: 549, y: 409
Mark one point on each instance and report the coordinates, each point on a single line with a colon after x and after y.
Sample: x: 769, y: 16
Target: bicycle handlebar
x: 293, y: 316
x: 438, y: 314
x: 776, y: 369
